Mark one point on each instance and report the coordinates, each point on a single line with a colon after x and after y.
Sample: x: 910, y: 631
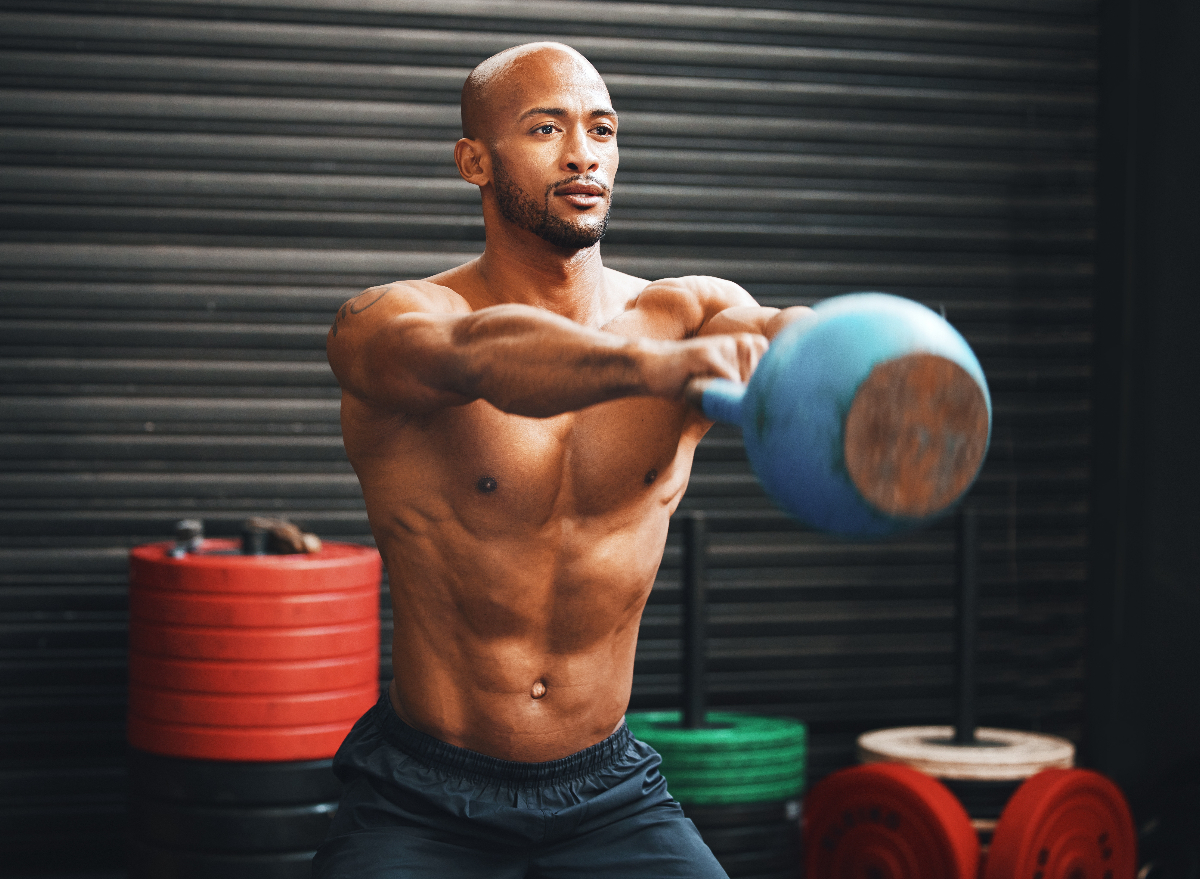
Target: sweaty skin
x: 519, y: 430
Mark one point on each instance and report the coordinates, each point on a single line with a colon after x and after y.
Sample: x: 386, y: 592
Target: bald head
x: 507, y: 78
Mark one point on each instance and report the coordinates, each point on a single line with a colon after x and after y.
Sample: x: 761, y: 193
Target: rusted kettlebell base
x: 916, y: 435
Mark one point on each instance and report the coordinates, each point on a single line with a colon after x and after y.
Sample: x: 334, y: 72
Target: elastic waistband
x: 475, y: 766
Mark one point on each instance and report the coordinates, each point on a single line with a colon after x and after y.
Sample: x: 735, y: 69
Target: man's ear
x: 473, y: 161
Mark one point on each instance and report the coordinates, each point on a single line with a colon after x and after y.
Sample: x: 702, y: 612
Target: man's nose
x: 579, y: 154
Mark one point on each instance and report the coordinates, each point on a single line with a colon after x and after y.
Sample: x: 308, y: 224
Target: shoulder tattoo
x: 357, y: 305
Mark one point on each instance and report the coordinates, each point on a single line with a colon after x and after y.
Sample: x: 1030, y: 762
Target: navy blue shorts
x: 414, y: 806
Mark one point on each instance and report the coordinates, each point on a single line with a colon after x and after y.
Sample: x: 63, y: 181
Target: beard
x: 520, y: 208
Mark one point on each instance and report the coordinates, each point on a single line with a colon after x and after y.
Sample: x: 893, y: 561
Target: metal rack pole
x: 967, y: 600
x: 695, y: 618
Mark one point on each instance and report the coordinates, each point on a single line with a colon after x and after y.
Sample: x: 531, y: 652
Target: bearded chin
x: 520, y: 209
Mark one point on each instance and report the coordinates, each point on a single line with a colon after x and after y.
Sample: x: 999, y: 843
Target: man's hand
x: 733, y: 356
x: 726, y: 331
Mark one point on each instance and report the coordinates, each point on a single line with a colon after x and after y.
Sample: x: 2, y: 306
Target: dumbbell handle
x: 718, y: 398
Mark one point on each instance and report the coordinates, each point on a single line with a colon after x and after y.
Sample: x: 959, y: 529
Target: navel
x: 486, y: 484
x: 651, y: 475
x: 538, y: 690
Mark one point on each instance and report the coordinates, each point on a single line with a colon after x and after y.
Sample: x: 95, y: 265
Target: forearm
x: 526, y: 361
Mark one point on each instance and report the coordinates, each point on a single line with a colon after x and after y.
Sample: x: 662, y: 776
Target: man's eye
x: 603, y: 130
x: 548, y: 128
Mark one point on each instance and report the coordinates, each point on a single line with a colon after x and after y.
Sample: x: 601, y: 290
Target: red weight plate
x: 338, y: 567
x: 172, y: 706
x: 213, y: 642
x: 228, y: 678
x: 201, y: 609
x: 887, y: 821
x: 266, y: 744
x: 1064, y: 822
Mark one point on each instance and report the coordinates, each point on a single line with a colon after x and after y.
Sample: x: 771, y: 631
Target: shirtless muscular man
x: 519, y: 429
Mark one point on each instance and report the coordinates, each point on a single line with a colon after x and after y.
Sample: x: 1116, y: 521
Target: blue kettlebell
x: 865, y: 418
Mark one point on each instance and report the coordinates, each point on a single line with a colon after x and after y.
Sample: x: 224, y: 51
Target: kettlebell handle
x: 718, y: 398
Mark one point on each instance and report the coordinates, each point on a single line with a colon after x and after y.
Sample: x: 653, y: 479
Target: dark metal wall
x: 188, y: 190
x: 1143, y: 720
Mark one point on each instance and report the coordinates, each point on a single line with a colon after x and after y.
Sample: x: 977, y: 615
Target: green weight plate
x: 681, y: 758
x: 702, y: 794
x: 728, y: 731
x: 701, y: 790
x: 743, y: 775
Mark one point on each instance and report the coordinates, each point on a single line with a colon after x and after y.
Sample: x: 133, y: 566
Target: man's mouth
x: 581, y: 194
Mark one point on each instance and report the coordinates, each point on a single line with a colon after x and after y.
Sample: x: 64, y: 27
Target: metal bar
x: 695, y: 618
x: 968, y: 619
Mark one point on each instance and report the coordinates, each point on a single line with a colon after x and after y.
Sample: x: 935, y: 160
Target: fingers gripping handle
x: 718, y: 398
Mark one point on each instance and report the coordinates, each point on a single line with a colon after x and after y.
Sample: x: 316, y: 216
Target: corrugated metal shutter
x: 189, y: 190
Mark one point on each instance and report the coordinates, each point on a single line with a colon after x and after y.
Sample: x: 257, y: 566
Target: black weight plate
x: 983, y: 799
x: 751, y: 838
x: 744, y: 814
x: 219, y: 782
x: 152, y: 862
x: 740, y: 864
x: 789, y: 849
x: 230, y: 828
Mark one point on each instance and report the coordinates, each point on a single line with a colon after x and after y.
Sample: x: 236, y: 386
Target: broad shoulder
x: 705, y: 290
x: 691, y: 300
x: 370, y: 312
x: 375, y: 315
x: 400, y: 297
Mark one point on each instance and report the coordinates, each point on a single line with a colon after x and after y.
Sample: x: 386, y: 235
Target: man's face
x: 554, y: 151
x: 532, y: 212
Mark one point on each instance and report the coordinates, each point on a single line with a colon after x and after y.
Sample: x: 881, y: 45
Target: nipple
x: 486, y: 484
x: 538, y: 691
x: 651, y: 475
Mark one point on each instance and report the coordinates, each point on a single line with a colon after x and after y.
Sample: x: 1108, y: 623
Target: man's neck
x: 570, y: 283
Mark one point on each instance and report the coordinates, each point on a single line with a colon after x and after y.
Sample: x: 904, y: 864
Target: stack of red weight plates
x: 236, y: 662
x: 251, y: 657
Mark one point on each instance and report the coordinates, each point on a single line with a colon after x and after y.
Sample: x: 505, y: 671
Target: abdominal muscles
x: 519, y: 648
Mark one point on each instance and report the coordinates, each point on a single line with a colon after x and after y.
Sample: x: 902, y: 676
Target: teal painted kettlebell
x: 867, y: 417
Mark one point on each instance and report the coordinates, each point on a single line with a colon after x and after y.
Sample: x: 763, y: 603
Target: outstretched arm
x: 417, y: 350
